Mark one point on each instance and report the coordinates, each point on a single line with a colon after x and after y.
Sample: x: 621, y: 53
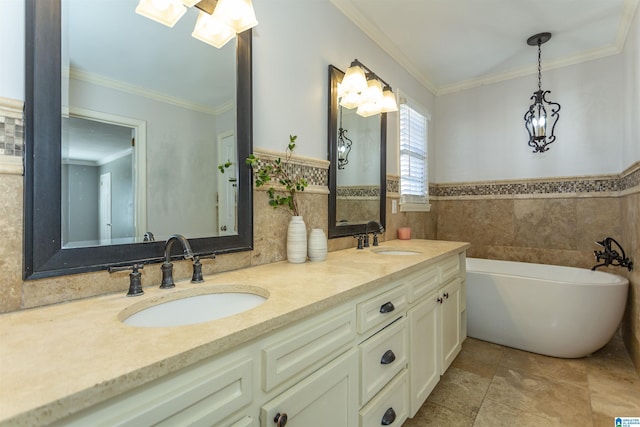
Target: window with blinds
x: 414, y: 186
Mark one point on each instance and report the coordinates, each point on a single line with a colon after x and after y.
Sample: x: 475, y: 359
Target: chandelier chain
x: 539, y: 66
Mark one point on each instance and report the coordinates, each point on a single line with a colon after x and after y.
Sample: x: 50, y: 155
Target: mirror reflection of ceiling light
x: 218, y: 22
x: 366, y: 91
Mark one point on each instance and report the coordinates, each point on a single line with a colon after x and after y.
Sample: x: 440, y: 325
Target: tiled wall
x: 554, y: 221
x: 11, y: 128
x: 551, y: 221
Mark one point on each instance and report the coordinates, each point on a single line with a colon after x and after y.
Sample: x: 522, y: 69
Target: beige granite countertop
x: 59, y: 359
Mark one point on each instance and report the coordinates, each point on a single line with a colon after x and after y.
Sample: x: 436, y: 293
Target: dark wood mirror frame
x: 43, y: 252
x: 335, y: 76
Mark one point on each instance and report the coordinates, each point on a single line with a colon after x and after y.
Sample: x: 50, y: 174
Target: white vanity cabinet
x: 372, y: 360
x: 436, y: 325
x: 208, y: 393
x: 328, y: 397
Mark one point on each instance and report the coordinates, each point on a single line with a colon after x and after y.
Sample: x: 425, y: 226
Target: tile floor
x: 489, y: 385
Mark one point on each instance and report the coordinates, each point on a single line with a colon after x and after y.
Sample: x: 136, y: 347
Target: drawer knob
x: 446, y: 295
x: 280, y: 419
x: 389, y: 417
x: 388, y: 357
x: 439, y: 300
x: 387, y: 307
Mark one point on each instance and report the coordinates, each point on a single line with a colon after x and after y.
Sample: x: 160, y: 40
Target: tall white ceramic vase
x: 317, y: 249
x: 297, y: 240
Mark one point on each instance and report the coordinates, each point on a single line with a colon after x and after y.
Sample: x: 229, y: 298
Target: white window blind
x: 414, y: 186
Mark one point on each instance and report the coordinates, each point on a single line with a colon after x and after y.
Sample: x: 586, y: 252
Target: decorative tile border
x: 11, y: 128
x: 605, y: 185
x: 359, y: 192
x: 316, y: 171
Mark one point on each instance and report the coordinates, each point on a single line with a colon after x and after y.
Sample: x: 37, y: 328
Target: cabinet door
x: 450, y: 323
x: 328, y: 397
x: 424, y: 350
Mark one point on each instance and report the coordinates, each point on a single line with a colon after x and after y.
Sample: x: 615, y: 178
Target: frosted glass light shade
x: 237, y: 14
x: 351, y: 100
x: 389, y: 103
x: 373, y: 93
x: 211, y: 30
x: 166, y: 12
x: 368, y: 109
x: 354, y: 80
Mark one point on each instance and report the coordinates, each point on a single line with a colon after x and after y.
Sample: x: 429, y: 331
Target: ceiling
x: 451, y: 45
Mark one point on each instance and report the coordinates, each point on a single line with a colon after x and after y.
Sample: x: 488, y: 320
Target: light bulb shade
x: 540, y: 121
x: 190, y: 3
x: 211, y: 30
x: 166, y: 12
x: 237, y: 14
x: 354, y: 80
x: 373, y: 93
x: 368, y: 109
x: 351, y: 100
x: 389, y: 103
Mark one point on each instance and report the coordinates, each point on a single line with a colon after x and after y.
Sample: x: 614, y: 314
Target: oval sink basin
x: 195, y: 309
x: 396, y: 252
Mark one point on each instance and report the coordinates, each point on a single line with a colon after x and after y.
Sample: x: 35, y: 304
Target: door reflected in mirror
x: 148, y: 114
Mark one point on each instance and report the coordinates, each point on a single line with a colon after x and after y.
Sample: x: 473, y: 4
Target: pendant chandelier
x: 542, y: 116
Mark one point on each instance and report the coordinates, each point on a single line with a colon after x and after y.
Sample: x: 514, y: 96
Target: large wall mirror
x: 126, y: 123
x: 357, y: 176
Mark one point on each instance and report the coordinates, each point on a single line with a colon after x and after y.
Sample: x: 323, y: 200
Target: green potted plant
x: 282, y: 192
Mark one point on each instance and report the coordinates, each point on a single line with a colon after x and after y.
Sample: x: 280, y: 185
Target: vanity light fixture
x: 542, y: 115
x: 366, y: 91
x: 218, y: 21
x: 344, y: 144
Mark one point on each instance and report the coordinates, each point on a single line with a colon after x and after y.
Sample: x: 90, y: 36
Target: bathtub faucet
x: 611, y: 256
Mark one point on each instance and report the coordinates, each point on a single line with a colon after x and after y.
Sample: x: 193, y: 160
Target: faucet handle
x: 197, y: 277
x: 135, y: 278
x: 360, y: 238
x: 167, y: 276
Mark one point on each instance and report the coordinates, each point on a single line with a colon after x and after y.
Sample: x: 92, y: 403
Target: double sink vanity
x: 358, y: 340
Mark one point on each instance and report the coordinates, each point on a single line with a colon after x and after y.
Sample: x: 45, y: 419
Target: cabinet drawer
x: 391, y: 404
x: 325, y: 398
x: 201, y: 395
x: 307, y: 345
x: 381, y: 308
x: 423, y: 283
x: 449, y: 268
x: 381, y: 357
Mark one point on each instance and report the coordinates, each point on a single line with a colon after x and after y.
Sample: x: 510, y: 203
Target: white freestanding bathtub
x: 546, y: 309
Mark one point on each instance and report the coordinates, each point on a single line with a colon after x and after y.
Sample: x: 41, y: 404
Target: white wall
x: 294, y: 44
x: 12, y: 36
x: 631, y: 70
x: 480, y: 132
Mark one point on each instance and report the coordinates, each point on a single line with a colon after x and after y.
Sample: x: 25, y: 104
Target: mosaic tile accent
x: 315, y: 175
x: 361, y: 192
x: 393, y: 184
x: 631, y: 180
x: 11, y: 136
x: 603, y: 184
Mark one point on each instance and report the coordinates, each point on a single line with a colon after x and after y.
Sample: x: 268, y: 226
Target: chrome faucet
x: 167, y: 267
x: 379, y: 229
